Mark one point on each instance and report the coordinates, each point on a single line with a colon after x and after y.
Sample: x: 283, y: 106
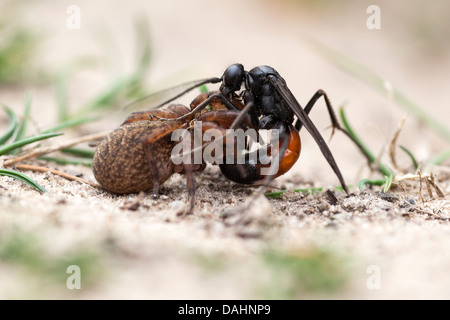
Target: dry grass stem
x: 57, y: 172
x: 45, y: 150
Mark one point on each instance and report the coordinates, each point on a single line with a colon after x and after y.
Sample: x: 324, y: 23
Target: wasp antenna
x: 211, y: 80
x: 192, y: 85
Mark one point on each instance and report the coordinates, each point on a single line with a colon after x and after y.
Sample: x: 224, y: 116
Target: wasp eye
x: 233, y: 77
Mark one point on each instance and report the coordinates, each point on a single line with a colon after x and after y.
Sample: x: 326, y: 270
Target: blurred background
x: 160, y: 44
x: 77, y: 64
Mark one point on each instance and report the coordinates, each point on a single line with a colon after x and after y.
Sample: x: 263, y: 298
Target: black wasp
x: 270, y: 104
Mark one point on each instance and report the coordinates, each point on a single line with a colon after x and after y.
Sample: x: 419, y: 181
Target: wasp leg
x: 268, y: 179
x: 334, y: 122
x: 190, y: 183
x: 218, y: 120
x: 153, y: 169
x: 310, y: 105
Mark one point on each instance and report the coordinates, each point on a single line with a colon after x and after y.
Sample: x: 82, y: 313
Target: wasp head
x: 232, y: 79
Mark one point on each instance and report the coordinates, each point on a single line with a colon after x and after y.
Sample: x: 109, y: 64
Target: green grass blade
x: 71, y: 123
x: 13, y: 122
x: 61, y: 95
x: 363, y: 182
x: 378, y: 83
x: 89, y: 154
x: 22, y: 177
x: 204, y: 89
x: 63, y: 161
x: 388, y: 184
x: 441, y: 129
x: 145, y: 50
x: 302, y: 273
x: 441, y: 157
x: 110, y: 97
x: 15, y: 145
x: 352, y: 133
x: 277, y: 194
x: 21, y: 131
x: 383, y: 169
x: 61, y: 83
x: 413, y: 159
x: 17, y: 51
x: 125, y: 86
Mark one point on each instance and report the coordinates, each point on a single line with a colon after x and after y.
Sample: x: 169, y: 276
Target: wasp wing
x: 287, y: 95
x: 150, y: 100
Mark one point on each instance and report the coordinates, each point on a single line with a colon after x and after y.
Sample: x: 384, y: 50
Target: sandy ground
x: 367, y: 245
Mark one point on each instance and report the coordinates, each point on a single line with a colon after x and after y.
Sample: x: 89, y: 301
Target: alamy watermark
x: 73, y: 22
x: 373, y: 282
x: 74, y: 280
x: 196, y: 146
x: 373, y: 22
